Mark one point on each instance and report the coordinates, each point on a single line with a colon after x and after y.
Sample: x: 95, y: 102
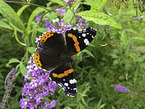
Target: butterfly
x: 54, y: 52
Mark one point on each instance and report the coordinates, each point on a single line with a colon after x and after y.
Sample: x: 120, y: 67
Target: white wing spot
x: 72, y: 81
x: 84, y: 35
x: 66, y: 84
x: 74, y: 88
x: 86, y: 41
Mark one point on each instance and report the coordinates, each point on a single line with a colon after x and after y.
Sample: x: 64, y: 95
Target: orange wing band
x: 62, y: 74
x: 76, y: 44
x: 37, y: 60
x: 46, y: 36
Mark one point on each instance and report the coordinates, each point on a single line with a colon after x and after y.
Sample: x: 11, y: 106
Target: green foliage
x: 99, y: 18
x: 116, y: 56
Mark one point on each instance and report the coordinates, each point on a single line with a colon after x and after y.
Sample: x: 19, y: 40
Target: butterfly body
x: 54, y: 52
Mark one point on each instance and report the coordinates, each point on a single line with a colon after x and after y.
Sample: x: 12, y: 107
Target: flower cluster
x: 38, y: 17
x: 121, y: 88
x: 62, y: 11
x: 10, y: 78
x: 34, y: 92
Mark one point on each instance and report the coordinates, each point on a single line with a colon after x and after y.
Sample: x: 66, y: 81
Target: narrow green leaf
x: 99, y: 103
x: 42, y: 30
x: 33, y: 15
x: 13, y: 60
x: 127, y: 48
x: 59, y: 2
x: 5, y: 25
x: 98, y: 5
x: 31, y: 49
x: 84, y: 102
x: 102, y: 106
x: 123, y: 36
x: 99, y: 18
x: 88, y: 52
x: 23, y: 69
x: 22, y: 9
x: 11, y: 16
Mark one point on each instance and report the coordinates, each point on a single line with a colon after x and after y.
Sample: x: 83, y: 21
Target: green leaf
x: 4, y: 25
x: 88, y: 52
x: 88, y: 2
x: 23, y: 69
x: 123, y: 36
x: 99, y: 18
x: 13, y: 60
x: 22, y: 9
x: 31, y: 49
x: 42, y: 30
x: 11, y: 16
x: 59, y: 2
x: 69, y: 14
x: 33, y: 15
x: 98, y: 5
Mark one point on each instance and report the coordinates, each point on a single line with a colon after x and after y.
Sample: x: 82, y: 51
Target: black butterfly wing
x: 77, y: 40
x: 64, y: 76
x: 49, y: 49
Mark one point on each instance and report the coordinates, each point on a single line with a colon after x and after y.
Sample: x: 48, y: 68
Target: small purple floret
x: 38, y: 17
x: 136, y: 18
x: 121, y: 89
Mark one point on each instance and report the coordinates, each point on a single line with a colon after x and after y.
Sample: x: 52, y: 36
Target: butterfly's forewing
x: 64, y: 76
x: 77, y: 40
x: 49, y: 49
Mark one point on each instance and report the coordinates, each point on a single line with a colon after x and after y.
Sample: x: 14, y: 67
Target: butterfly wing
x: 49, y: 49
x: 64, y: 76
x: 77, y: 40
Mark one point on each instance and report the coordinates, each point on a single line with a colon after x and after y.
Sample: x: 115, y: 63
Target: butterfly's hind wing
x: 77, y: 40
x: 49, y: 49
x: 65, y: 77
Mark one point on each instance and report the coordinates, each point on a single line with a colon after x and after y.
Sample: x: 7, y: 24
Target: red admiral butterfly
x: 54, y: 53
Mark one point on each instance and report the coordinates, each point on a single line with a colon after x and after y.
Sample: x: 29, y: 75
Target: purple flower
x: 38, y: 17
x: 49, y: 26
x: 136, y: 18
x: 38, y: 98
x: 39, y: 85
x: 81, y: 21
x: 121, y: 88
x: 62, y: 11
x: 69, y: 1
x: 53, y: 103
x: 10, y: 78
